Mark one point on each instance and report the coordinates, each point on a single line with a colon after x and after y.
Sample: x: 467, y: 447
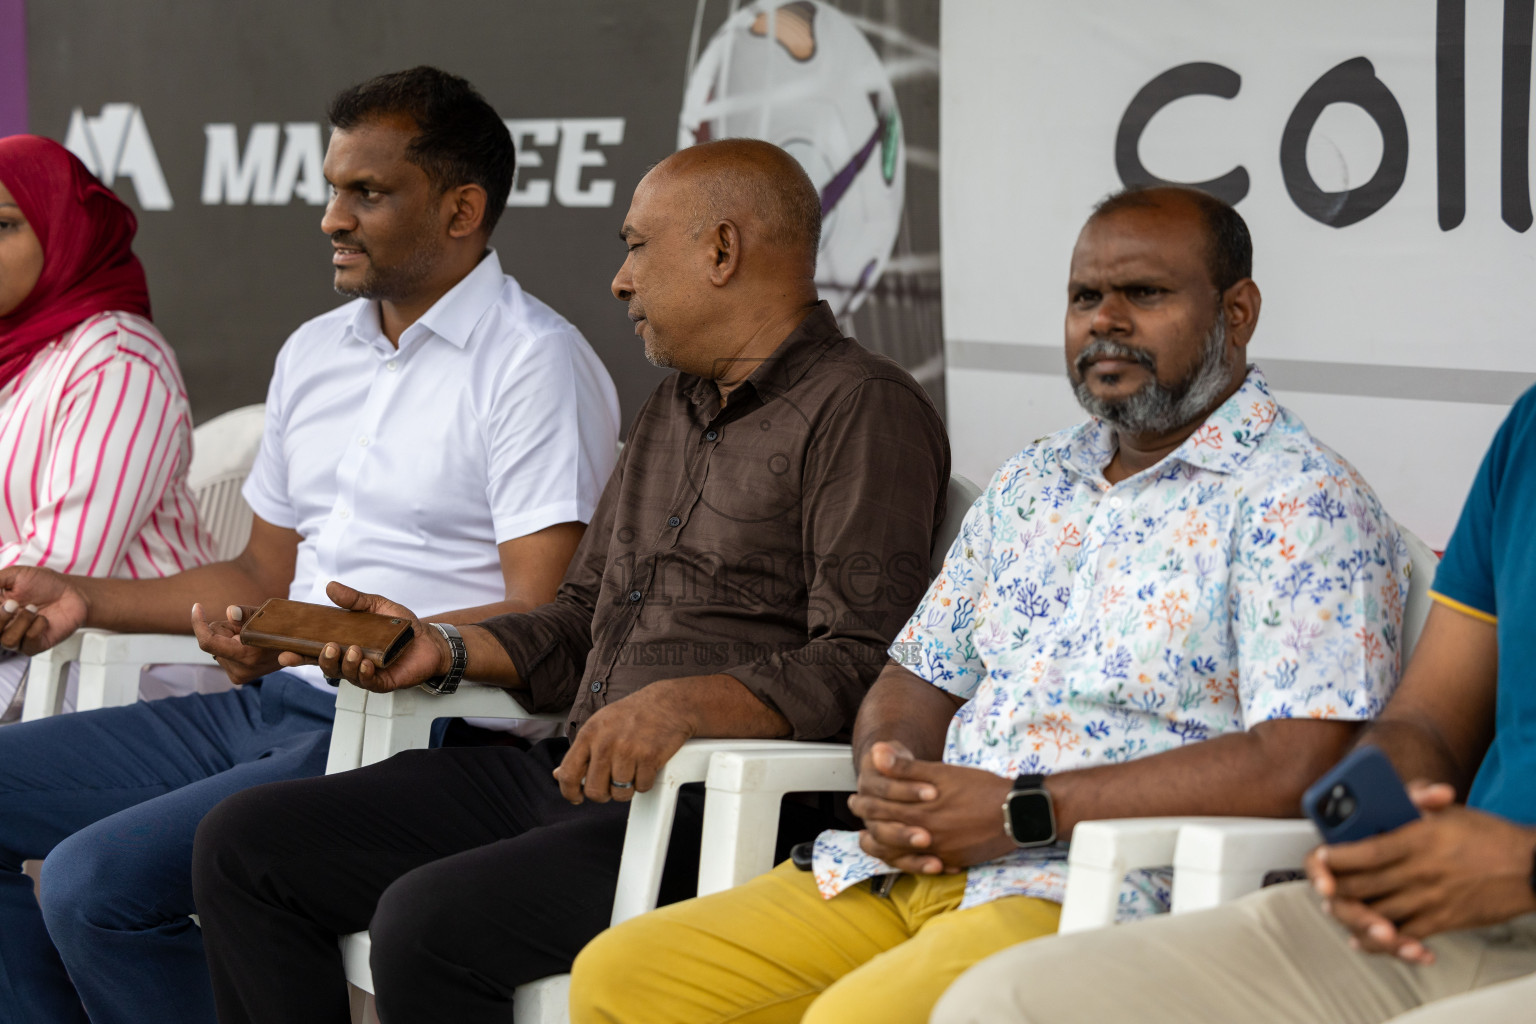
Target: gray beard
x: 1158, y: 408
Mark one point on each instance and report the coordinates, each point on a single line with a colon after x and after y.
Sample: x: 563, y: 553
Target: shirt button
x: 391, y: 366
x: 634, y: 596
x: 597, y: 686
x: 345, y: 514
x: 674, y: 521
x: 362, y: 442
x: 1115, y: 503
x: 711, y: 435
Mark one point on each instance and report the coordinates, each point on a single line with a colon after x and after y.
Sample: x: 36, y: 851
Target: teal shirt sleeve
x: 1466, y: 573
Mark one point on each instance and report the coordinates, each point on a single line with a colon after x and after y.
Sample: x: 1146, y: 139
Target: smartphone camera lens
x: 1339, y: 805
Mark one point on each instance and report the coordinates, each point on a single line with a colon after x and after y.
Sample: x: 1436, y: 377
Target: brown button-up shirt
x: 782, y: 539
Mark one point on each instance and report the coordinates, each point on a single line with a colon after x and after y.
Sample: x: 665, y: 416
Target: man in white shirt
x: 446, y: 435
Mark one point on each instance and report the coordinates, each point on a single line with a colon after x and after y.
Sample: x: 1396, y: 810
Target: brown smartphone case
x: 283, y: 625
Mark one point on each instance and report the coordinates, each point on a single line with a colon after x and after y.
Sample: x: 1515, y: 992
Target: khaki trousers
x: 774, y: 952
x: 1270, y: 958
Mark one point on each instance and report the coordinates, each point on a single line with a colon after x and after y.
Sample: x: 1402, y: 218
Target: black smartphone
x: 1360, y: 796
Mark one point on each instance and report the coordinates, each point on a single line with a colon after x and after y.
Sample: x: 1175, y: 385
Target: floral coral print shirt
x: 1251, y: 575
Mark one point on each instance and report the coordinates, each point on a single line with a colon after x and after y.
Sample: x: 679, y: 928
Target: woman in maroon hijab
x: 95, y: 431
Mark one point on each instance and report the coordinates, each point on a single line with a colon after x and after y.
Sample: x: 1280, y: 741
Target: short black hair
x: 1229, y: 246
x: 460, y: 139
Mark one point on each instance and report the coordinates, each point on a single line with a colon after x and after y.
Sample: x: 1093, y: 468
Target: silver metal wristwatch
x: 444, y: 685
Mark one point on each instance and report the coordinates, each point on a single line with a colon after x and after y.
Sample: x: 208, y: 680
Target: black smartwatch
x: 444, y: 685
x: 1029, y: 817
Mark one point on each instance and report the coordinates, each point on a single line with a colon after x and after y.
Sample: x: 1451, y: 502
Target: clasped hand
x: 927, y: 817
x: 1452, y: 869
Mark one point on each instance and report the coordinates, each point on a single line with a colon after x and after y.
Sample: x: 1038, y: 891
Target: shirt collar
x: 452, y: 317
x: 1221, y: 444
x: 789, y: 362
x: 1229, y: 435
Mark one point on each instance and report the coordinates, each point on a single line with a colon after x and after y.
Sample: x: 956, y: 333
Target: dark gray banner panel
x: 208, y: 118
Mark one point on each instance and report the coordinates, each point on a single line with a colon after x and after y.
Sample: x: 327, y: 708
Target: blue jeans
x: 112, y: 799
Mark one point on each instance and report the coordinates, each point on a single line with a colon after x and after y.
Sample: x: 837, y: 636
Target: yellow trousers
x: 774, y: 951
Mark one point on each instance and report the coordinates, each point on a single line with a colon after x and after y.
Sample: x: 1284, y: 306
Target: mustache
x: 636, y: 314
x: 343, y: 238
x: 1107, y: 348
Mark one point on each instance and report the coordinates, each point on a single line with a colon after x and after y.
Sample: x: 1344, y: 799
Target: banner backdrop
x: 209, y: 120
x: 1379, y: 150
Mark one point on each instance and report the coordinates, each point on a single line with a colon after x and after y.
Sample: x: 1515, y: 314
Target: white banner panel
x: 1379, y: 150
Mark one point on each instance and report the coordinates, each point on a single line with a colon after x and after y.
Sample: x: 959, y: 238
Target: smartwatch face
x: 1029, y: 817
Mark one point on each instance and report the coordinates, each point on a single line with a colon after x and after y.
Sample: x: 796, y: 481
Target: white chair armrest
x: 110, y: 664
x: 650, y: 822
x: 1220, y: 859
x: 346, y: 750
x: 741, y: 807
x: 46, y: 677
x: 102, y: 647
x: 1102, y: 854
x: 546, y: 1001
x: 402, y: 719
x: 355, y: 950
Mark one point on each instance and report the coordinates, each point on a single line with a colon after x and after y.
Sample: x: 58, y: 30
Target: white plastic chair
x: 744, y: 783
x: 223, y: 451
x: 380, y: 725
x: 1215, y: 859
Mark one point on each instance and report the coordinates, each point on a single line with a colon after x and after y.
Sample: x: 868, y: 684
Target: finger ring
x: 622, y: 785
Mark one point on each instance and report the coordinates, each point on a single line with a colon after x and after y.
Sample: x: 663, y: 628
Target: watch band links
x: 444, y: 685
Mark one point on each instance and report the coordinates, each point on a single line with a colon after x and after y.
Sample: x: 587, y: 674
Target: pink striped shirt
x: 96, y: 438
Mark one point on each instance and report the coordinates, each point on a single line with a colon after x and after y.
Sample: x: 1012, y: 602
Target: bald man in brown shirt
x: 764, y: 536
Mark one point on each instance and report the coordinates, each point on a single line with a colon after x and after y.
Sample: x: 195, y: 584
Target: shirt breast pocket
x: 754, y: 488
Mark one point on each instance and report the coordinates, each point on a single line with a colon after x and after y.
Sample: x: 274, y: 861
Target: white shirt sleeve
x: 266, y: 489
x: 552, y: 437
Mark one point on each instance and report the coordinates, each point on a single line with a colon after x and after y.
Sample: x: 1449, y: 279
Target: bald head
x: 1229, y: 247
x: 752, y: 183
x: 721, y: 261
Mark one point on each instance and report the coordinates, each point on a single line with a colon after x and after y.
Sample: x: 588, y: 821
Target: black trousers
x: 472, y: 872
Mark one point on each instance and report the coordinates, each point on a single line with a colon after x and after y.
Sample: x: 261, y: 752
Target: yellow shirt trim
x: 1465, y: 609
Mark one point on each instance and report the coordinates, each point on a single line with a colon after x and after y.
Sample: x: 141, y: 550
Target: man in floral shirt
x: 1183, y: 606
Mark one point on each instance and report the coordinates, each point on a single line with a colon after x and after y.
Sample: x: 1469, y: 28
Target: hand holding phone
x: 283, y: 625
x: 1361, y: 796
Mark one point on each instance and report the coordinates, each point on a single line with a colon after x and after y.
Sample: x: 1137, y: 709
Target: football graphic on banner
x: 803, y: 76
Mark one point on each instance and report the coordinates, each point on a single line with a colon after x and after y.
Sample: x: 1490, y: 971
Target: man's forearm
x: 1260, y: 773
x: 165, y: 605
x: 487, y: 660
x: 721, y: 707
x: 905, y: 708
x: 554, y: 639
x: 1419, y: 751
